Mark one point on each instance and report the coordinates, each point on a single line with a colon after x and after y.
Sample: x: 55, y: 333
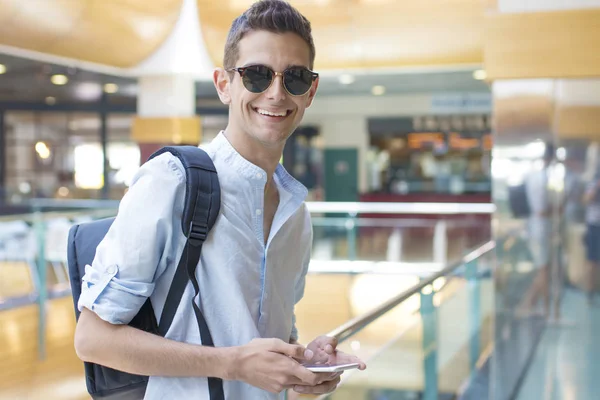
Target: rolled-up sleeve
x: 301, y: 282
x: 139, y: 245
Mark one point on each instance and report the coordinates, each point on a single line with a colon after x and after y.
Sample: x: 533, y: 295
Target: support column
x: 2, y: 157
x: 104, y: 143
x: 535, y: 52
x: 166, y: 113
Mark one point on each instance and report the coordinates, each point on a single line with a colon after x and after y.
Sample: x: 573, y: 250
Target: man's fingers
x: 292, y: 350
x: 328, y: 343
x: 333, y: 343
x: 319, y: 357
x: 347, y: 358
x: 307, y: 377
x: 318, y: 389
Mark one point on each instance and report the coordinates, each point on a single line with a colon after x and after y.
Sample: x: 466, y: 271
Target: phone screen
x: 330, y: 367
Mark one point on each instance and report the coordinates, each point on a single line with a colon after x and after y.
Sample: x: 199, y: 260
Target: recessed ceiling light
x: 111, y: 88
x: 479, y: 74
x: 2, y: 69
x: 50, y: 100
x: 59, y: 79
x: 347, y: 79
x: 378, y: 90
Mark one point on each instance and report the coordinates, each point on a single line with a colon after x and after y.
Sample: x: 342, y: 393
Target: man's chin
x: 272, y: 140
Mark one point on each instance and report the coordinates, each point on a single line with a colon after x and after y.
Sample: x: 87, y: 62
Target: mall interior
x: 430, y: 119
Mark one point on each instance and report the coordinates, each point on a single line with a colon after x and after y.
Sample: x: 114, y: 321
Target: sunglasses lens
x: 257, y: 78
x: 298, y: 80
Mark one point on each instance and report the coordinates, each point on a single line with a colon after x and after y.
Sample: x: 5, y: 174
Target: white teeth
x: 271, y: 114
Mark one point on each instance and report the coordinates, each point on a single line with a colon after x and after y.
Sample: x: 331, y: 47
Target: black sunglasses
x: 297, y: 81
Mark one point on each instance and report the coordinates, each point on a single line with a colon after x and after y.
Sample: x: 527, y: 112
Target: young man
x: 254, y: 262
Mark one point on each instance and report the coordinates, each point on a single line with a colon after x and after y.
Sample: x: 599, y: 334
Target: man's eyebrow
x: 249, y: 64
x: 297, y: 66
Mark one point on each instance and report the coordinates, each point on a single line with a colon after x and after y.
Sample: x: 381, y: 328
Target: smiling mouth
x: 273, y: 115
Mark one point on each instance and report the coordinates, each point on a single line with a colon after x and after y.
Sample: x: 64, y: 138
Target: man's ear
x: 312, y: 92
x: 221, y: 81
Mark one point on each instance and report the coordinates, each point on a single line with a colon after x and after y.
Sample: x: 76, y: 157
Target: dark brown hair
x: 275, y: 16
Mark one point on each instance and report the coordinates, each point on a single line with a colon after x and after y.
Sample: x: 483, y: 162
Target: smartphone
x: 330, y: 367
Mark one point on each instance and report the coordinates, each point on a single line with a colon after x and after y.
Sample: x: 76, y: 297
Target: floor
x: 566, y: 365
x: 60, y: 375
x: 25, y: 377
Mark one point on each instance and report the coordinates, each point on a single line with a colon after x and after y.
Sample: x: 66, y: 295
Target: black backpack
x: 202, y: 203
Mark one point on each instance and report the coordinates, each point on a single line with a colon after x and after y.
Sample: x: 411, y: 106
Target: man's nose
x: 276, y: 91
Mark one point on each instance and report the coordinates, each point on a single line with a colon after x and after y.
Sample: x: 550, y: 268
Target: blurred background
x: 451, y: 157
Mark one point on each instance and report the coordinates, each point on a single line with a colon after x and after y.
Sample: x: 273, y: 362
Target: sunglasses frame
x: 242, y: 70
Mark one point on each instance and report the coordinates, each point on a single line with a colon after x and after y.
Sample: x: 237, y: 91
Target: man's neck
x: 267, y: 158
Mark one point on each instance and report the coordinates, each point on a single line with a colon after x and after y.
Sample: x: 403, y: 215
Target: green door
x: 341, y: 174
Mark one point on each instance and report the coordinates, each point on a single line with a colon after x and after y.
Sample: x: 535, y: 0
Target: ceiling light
x: 43, y: 150
x: 111, y: 88
x: 59, y: 79
x: 479, y: 74
x: 2, y: 69
x: 378, y: 90
x: 347, y: 79
x: 50, y: 100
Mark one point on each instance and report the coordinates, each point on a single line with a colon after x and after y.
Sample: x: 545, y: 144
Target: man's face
x: 277, y: 51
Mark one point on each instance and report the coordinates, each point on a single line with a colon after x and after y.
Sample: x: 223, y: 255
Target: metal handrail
x: 35, y: 216
x: 399, y: 208
x: 355, y: 325
x: 333, y: 207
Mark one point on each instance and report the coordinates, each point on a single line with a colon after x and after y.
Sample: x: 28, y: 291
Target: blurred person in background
x: 540, y: 232
x: 591, y: 200
x: 254, y: 263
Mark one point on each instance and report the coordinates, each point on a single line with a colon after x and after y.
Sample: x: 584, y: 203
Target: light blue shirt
x: 247, y: 290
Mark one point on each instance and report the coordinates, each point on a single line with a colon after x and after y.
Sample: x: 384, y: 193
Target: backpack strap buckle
x: 197, y: 233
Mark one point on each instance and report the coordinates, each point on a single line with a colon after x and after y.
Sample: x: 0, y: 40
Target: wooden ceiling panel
x: 558, y: 44
x: 38, y: 24
x: 117, y: 33
x: 371, y: 33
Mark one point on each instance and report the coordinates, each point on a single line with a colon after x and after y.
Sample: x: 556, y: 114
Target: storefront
x: 430, y: 158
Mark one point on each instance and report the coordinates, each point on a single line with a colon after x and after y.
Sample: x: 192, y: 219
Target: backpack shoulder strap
x: 202, y: 192
x: 202, y: 203
x: 200, y: 211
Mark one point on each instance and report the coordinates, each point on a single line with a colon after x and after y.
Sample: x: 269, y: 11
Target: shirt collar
x: 250, y: 171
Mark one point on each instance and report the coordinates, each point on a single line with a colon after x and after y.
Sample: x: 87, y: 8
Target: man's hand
x: 324, y: 352
x: 271, y: 365
x: 322, y: 347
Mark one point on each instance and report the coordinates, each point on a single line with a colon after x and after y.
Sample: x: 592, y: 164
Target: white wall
x: 369, y: 106
x: 524, y: 6
x: 343, y: 121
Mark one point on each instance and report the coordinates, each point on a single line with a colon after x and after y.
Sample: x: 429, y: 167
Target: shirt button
x: 112, y: 269
x: 258, y: 212
x: 259, y: 175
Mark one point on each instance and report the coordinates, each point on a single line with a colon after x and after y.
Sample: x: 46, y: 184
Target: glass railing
x: 371, y: 251
x: 431, y: 340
